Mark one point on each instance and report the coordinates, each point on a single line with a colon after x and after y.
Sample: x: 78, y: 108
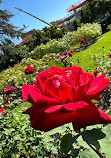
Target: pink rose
x: 63, y: 56
x: 61, y: 96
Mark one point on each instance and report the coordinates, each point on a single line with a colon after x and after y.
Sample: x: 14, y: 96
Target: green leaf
x: 60, y: 129
x: 54, y: 150
x: 67, y: 142
x: 25, y: 105
x: 92, y: 136
x: 105, y: 145
x: 82, y: 143
x: 13, y: 95
x: 75, y: 152
x: 107, y: 131
x: 8, y: 105
x: 89, y: 153
x: 95, y: 101
x: 98, y: 126
x: 108, y: 112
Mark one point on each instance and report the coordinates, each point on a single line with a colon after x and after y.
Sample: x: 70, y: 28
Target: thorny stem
x: 94, y: 148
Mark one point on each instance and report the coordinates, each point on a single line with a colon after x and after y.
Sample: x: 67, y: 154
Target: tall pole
x: 32, y: 15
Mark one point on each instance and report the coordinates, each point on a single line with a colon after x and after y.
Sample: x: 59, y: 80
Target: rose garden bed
x: 58, y: 97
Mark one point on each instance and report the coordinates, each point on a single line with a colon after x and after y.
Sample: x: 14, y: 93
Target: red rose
x: 70, y: 54
x: 8, y: 99
x: 109, y: 55
x: 8, y: 90
x: 60, y: 96
x: 82, y: 41
x: 95, y: 72
x: 29, y: 69
x: 20, y: 91
x: 1, y: 110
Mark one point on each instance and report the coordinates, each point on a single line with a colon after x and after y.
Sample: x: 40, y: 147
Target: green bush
x: 12, y: 55
x: 19, y: 139
x: 88, y: 32
x: 43, y: 36
x: 15, y: 76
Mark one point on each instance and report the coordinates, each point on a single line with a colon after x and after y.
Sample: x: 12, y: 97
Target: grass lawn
x: 85, y: 59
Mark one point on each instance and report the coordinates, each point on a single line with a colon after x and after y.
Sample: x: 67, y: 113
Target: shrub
x: 12, y: 55
x: 88, y: 32
x: 15, y: 76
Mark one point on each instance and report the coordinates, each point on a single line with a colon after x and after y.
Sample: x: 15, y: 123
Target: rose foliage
x: 60, y: 96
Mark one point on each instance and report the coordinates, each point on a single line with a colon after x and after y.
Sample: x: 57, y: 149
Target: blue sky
x: 48, y: 10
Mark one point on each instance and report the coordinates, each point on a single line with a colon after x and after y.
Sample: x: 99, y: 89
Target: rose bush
x: 82, y: 41
x: 9, y: 90
x: 1, y: 110
x: 29, y: 69
x: 60, y: 96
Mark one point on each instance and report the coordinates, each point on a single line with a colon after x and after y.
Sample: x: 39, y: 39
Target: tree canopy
x: 7, y: 30
x: 95, y: 9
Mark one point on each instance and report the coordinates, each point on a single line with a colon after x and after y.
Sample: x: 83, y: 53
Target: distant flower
x: 70, y: 54
x: 95, y: 72
x: 110, y: 55
x: 82, y: 41
x: 1, y: 110
x: 8, y: 99
x: 63, y: 56
x: 29, y: 70
x: 20, y: 91
x: 8, y: 90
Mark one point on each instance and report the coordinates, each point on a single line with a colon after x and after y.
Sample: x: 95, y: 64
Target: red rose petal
x: 97, y: 85
x: 25, y: 92
x: 69, y: 107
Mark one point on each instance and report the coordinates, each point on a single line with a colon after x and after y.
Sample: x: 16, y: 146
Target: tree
x: 7, y: 30
x: 9, y: 53
x: 95, y: 10
x: 75, y: 24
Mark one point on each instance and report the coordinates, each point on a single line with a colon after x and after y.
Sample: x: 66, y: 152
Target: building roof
x: 64, y: 19
x: 80, y: 3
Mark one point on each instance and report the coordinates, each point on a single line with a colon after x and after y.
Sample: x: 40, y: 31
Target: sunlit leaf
x: 89, y: 153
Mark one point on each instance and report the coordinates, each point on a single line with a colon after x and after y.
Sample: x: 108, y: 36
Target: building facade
x: 74, y: 11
